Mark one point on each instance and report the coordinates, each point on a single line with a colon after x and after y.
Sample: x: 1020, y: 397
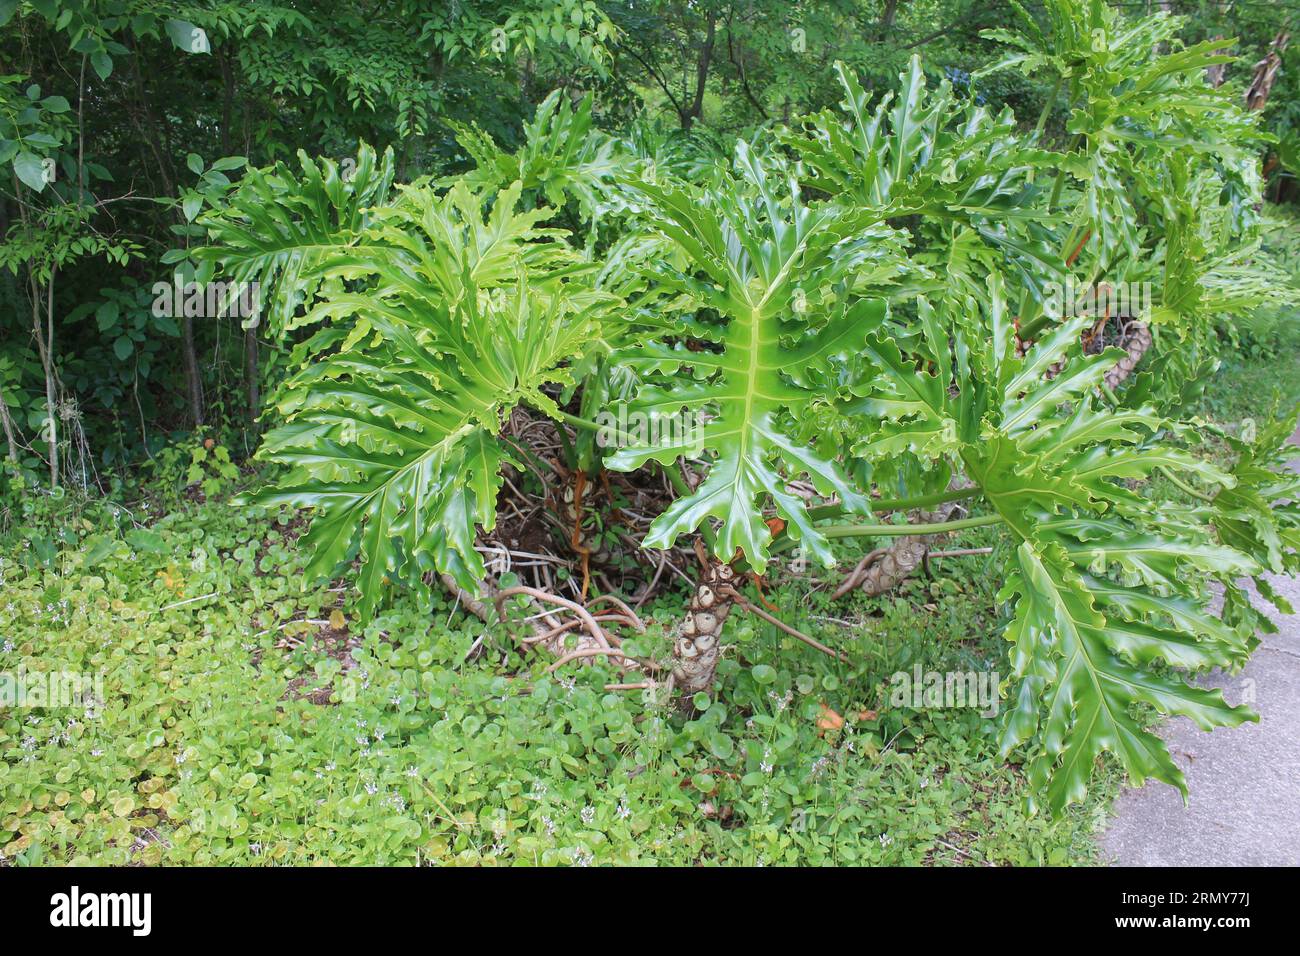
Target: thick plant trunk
x: 904, y: 556
x: 1139, y: 341
x: 886, y: 568
x: 696, y: 648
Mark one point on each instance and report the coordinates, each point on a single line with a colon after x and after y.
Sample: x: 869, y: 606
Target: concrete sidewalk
x: 1244, y: 802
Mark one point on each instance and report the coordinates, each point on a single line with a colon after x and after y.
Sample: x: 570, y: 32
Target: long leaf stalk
x: 894, y: 530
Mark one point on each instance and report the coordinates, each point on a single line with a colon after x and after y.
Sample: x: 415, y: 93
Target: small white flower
x: 780, y: 701
x: 588, y: 813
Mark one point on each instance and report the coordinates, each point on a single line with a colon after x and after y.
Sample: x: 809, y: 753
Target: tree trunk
x: 696, y: 648
x: 227, y: 101
x: 44, y: 342
x: 193, y: 383
x: 150, y: 127
x: 10, y: 437
x: 251, y: 365
x: 45, y: 349
x: 1266, y: 72
x: 887, y: 18
x: 696, y: 109
x: 1214, y: 74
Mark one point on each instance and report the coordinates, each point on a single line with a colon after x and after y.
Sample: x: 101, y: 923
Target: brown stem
x: 739, y: 64
x: 44, y: 340
x: 777, y: 622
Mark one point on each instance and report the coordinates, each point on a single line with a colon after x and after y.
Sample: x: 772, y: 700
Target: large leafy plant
x: 769, y: 266
x: 1104, y: 582
x: 458, y: 317
x: 850, y: 318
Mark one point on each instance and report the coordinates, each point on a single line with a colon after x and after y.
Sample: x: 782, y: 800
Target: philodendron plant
x: 857, y: 315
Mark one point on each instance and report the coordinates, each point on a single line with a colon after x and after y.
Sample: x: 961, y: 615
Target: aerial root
x: 550, y: 629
